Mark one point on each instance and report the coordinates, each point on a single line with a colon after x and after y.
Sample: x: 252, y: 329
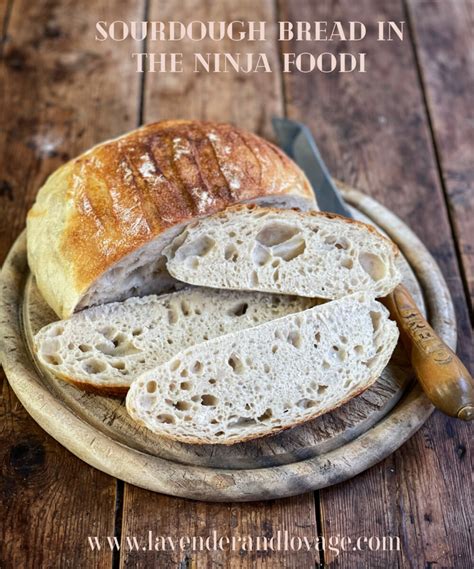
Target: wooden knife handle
x: 442, y: 375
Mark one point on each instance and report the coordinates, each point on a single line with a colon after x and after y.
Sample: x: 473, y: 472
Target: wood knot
x: 26, y: 457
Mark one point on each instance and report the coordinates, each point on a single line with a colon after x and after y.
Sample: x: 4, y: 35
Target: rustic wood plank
x: 373, y: 133
x: 61, y: 93
x: 248, y: 101
x: 443, y: 41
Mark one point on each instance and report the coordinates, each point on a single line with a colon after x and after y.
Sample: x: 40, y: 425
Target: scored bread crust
x: 123, y: 194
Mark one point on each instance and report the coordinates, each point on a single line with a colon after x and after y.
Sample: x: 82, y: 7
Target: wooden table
x: 399, y: 132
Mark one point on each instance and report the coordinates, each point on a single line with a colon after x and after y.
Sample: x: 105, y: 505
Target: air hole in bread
x: 201, y: 247
x: 209, y: 400
x: 306, y: 403
x: 54, y: 360
x: 290, y: 250
x: 343, y: 339
x: 231, y: 253
x: 108, y: 332
x: 276, y: 276
x: 276, y: 263
x: 137, y: 331
x: 295, y: 338
x: 184, y: 373
x: 57, y: 331
x: 241, y: 422
x: 330, y: 240
x: 254, y: 279
x: 342, y: 355
x: 212, y: 381
x: 326, y: 364
x: 359, y: 349
x: 347, y: 263
x: 276, y: 233
x: 371, y: 362
x: 172, y: 316
x: 342, y: 243
x: 166, y: 419
x: 118, y: 365
x: 185, y: 308
x: 236, y: 364
x: 376, y: 318
x: 260, y: 255
x: 185, y: 385
x: 373, y: 265
x: 151, y: 386
x: 266, y: 368
x: 175, y: 365
x: 239, y: 309
x: 197, y: 368
x: 321, y: 389
x: 182, y: 405
x: 85, y: 348
x: 93, y: 365
x: 347, y: 383
x: 274, y: 349
x: 106, y: 348
x: 267, y: 414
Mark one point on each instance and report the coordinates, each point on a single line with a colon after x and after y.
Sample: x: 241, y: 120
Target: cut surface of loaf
x: 99, y: 223
x: 104, y: 348
x: 312, y: 254
x: 259, y: 381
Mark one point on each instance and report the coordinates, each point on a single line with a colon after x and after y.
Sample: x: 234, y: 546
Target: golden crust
x: 108, y: 202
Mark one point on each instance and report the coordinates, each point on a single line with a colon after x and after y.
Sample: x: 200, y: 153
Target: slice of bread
x: 102, y: 349
x: 256, y: 382
x: 311, y: 254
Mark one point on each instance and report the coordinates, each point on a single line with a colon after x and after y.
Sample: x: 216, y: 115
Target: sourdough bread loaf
x: 312, y: 254
x: 102, y: 349
x: 99, y: 224
x: 256, y: 382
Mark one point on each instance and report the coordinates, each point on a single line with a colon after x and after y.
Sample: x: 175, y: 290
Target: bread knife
x: 441, y: 374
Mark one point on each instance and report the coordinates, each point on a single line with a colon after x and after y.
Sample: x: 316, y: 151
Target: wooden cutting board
x: 330, y: 449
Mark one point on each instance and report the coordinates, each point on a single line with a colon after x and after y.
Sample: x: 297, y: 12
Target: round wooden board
x: 325, y: 451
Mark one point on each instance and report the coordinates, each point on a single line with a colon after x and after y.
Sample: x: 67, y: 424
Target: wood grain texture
x: 443, y: 42
x: 377, y: 137
x: 248, y: 100
x: 61, y: 92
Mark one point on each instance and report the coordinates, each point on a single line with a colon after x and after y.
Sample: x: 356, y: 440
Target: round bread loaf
x: 100, y: 222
